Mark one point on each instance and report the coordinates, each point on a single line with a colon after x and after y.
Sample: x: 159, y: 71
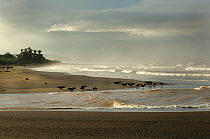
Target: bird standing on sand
x: 143, y: 85
x: 124, y: 84
x: 61, y: 87
x: 149, y: 82
x: 117, y: 82
x: 71, y: 88
x: 83, y: 87
x: 137, y: 85
x: 95, y: 88
x: 131, y: 84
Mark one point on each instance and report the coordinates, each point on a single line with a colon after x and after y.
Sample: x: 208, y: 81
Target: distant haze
x: 108, y: 31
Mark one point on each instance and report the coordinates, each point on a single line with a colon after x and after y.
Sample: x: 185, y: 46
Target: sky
x: 108, y: 31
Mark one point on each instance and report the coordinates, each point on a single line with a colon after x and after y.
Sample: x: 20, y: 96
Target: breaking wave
x: 127, y: 71
x: 202, y: 88
x: 121, y: 105
x: 171, y: 74
x: 197, y: 68
x: 96, y: 70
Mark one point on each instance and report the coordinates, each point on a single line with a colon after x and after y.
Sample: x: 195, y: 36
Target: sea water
x: 189, y: 74
x: 188, y: 90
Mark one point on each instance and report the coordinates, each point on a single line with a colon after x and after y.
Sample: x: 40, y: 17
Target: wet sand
x: 14, y: 81
x: 52, y: 124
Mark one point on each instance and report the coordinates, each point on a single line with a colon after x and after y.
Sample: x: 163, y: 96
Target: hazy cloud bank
x: 136, y: 31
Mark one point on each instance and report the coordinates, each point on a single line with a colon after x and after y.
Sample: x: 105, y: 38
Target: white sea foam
x: 202, y: 88
x: 98, y: 66
x: 113, y: 70
x: 197, y: 69
x: 56, y: 93
x: 155, y: 67
x: 127, y: 71
x: 121, y: 105
x: 97, y: 70
x: 171, y: 74
x: 141, y: 67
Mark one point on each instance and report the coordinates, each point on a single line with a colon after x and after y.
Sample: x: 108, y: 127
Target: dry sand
x: 14, y: 81
x: 52, y: 124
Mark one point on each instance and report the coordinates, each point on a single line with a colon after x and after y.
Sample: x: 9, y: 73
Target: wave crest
x: 202, y: 88
x: 120, y: 105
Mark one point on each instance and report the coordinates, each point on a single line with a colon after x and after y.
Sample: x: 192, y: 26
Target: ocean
x: 188, y: 89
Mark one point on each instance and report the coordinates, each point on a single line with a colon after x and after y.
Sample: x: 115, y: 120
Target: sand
x: 71, y: 124
x: 52, y: 124
x: 14, y: 81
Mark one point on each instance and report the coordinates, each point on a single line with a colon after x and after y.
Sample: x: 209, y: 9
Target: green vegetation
x: 27, y: 56
x: 8, y: 59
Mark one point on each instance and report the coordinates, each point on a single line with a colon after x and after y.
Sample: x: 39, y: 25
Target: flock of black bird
x: 150, y: 83
x: 73, y: 88
x: 70, y: 88
x: 6, y: 69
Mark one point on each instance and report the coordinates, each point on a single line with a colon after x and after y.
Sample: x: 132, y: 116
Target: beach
x: 60, y: 124
x: 15, y: 81
x: 67, y: 123
x: 127, y: 69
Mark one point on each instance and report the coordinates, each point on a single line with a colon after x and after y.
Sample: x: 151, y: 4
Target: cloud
x: 125, y: 29
x: 141, y: 31
x: 147, y: 19
x: 137, y: 30
x: 90, y: 27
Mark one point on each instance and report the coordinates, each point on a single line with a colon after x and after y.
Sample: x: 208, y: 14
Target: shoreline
x: 14, y: 81
x: 89, y: 124
x: 103, y: 110
x: 53, y: 124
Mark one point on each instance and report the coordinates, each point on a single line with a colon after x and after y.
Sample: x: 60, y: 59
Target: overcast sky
x: 130, y: 31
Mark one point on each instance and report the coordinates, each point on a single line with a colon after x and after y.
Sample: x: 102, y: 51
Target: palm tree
x: 25, y: 50
x: 35, y: 51
x: 30, y: 50
x: 39, y: 51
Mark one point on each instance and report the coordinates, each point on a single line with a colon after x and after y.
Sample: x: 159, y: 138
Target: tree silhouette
x: 39, y: 51
x: 35, y: 51
x: 31, y: 56
x: 26, y: 56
